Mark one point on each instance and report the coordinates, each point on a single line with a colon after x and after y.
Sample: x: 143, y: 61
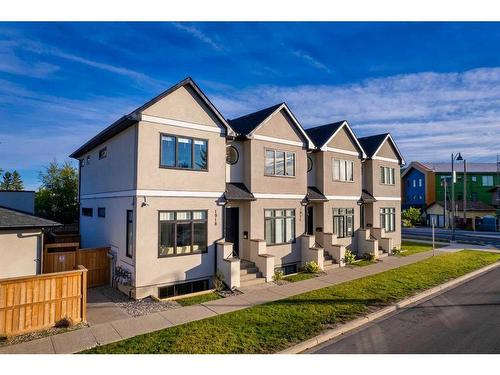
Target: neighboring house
x: 436, y: 212
x: 21, y: 235
x: 178, y: 192
x: 423, y: 184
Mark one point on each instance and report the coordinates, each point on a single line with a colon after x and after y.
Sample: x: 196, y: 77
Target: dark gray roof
x: 473, y: 206
x: 314, y: 194
x: 366, y: 197
x: 12, y: 219
x: 471, y: 167
x: 238, y: 191
x: 371, y: 143
x: 244, y: 125
x: 321, y: 134
x: 128, y: 120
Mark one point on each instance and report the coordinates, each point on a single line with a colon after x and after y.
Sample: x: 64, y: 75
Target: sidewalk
x: 117, y: 330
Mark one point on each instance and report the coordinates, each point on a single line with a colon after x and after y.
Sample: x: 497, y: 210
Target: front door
x: 233, y: 228
x: 310, y: 220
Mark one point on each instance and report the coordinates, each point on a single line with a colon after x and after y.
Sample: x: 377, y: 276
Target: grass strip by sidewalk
x: 277, y: 325
x: 299, y: 277
x: 188, y: 301
x: 411, y: 248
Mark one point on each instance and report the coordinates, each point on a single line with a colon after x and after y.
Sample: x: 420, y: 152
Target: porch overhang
x: 237, y: 191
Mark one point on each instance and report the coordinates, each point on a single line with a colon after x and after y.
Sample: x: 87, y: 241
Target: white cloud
x: 430, y: 114
x: 311, y: 60
x: 198, y: 34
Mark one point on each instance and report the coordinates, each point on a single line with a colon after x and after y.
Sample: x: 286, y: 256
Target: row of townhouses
x: 179, y: 192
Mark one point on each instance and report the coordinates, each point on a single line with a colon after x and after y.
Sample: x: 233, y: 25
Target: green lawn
x: 363, y: 262
x: 188, y: 301
x: 411, y: 248
x: 299, y: 277
x: 274, y: 326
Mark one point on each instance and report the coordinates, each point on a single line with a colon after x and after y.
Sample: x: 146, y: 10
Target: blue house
x: 414, y: 189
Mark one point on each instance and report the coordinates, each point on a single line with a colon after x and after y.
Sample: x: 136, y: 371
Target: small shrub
x: 406, y: 223
x: 369, y: 257
x: 412, y: 216
x: 218, y: 281
x: 396, y: 251
x: 64, y: 323
x: 278, y: 275
x: 3, y: 338
x: 311, y: 267
x: 349, y: 257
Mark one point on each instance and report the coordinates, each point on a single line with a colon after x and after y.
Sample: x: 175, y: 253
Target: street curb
x: 356, y: 323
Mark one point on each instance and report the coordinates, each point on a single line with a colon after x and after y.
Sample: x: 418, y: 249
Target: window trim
x: 393, y: 176
x: 193, y: 139
x: 345, y: 220
x: 284, y: 217
x: 388, y: 214
x: 284, y: 165
x: 105, y: 150
x: 99, y: 211
x: 127, y: 254
x: 309, y: 164
x: 192, y: 222
x: 340, y: 162
x: 237, y: 154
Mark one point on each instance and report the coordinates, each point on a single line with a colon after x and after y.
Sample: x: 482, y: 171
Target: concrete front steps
x: 382, y: 253
x: 328, y: 261
x: 250, y: 274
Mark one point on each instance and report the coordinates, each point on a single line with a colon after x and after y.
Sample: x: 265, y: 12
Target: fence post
x: 84, y: 293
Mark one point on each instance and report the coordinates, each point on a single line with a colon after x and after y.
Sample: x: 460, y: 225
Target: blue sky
x: 434, y: 86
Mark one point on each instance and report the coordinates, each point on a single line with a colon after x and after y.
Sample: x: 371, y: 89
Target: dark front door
x: 310, y: 220
x: 233, y: 227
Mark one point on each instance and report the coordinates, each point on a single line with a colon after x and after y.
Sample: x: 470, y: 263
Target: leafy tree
x: 57, y: 198
x: 412, y: 215
x: 6, y: 181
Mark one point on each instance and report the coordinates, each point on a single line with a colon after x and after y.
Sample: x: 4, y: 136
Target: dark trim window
x: 183, y: 288
x: 232, y: 155
x: 103, y: 153
x: 309, y: 164
x: 388, y: 219
x: 87, y: 211
x: 101, y: 212
x: 279, y: 163
x: 387, y: 176
x: 279, y: 226
x: 129, y: 250
x: 343, y: 170
x: 183, y: 152
x: 287, y: 269
x: 343, y: 222
x: 182, y: 233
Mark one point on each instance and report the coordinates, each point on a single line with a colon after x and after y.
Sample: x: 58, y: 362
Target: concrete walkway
x: 100, y: 334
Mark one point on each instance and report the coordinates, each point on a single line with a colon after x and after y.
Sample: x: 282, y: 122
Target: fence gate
x: 95, y: 260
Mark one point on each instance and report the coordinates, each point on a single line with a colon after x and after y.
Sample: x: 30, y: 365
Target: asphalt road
x: 476, y: 238
x: 465, y: 319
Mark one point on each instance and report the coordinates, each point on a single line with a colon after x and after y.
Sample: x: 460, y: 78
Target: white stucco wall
x: 19, y: 251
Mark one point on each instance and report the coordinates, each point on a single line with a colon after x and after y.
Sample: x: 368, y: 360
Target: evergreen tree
x: 17, y: 182
x: 6, y: 181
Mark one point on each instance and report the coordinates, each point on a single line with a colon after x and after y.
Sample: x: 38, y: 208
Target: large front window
x: 184, y: 152
x: 343, y: 170
x: 279, y: 226
x: 343, y: 222
x: 388, y: 219
x: 487, y: 180
x: 279, y: 163
x: 182, y: 232
x: 387, y: 176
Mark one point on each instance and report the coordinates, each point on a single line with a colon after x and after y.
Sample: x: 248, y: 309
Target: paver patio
x: 119, y: 329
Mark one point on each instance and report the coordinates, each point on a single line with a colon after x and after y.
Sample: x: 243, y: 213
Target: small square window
x: 101, y: 212
x: 87, y: 211
x: 103, y: 153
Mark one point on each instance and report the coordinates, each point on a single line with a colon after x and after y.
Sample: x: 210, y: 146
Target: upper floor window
x: 414, y: 182
x: 184, y: 152
x: 387, y: 176
x: 279, y: 226
x: 343, y: 170
x: 88, y: 160
x: 487, y: 180
x: 419, y: 182
x: 309, y: 164
x: 87, y: 211
x: 232, y: 155
x: 103, y: 153
x: 474, y: 178
x: 279, y: 163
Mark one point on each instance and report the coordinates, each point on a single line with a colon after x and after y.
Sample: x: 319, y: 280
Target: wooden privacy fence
x: 95, y: 260
x: 38, y: 302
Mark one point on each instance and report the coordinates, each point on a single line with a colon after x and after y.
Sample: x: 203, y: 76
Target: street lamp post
x: 453, y: 208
